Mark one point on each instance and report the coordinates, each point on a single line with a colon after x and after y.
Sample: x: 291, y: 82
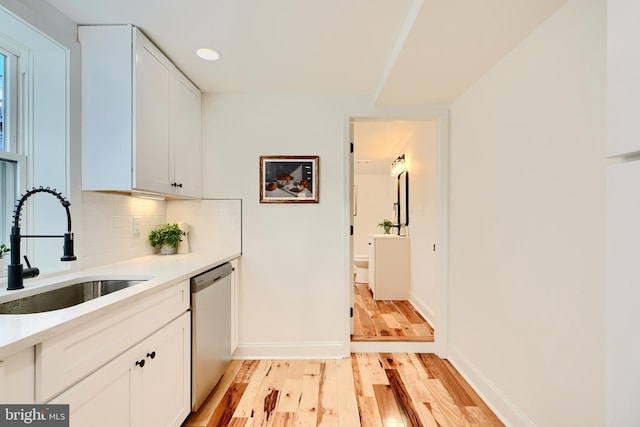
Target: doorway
x: 377, y: 142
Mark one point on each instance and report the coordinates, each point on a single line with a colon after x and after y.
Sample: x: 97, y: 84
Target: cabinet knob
x: 152, y: 355
x: 140, y: 363
x: 179, y: 185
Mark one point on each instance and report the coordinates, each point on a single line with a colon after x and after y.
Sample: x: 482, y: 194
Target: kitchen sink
x: 65, y: 296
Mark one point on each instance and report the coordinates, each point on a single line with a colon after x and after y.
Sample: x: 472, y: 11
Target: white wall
x: 295, y: 267
x: 527, y: 225
x: 421, y: 154
x: 376, y: 194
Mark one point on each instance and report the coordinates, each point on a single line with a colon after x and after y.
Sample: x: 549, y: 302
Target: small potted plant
x: 166, y: 238
x: 386, y: 225
x: 3, y: 250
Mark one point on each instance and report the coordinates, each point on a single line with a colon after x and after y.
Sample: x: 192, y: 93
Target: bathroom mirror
x: 403, y: 199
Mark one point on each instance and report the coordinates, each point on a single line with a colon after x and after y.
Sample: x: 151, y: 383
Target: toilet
x: 361, y: 263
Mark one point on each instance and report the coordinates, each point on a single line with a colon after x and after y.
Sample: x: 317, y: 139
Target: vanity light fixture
x: 208, y: 54
x: 398, y: 166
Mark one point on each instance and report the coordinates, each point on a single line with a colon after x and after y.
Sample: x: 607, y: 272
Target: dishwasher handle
x: 209, y: 277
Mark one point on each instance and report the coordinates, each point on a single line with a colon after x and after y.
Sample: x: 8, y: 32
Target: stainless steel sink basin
x: 66, y: 296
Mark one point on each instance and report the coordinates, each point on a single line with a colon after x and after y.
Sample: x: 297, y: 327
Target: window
x: 35, y: 134
x: 11, y: 161
x: 2, y: 61
x: 8, y: 166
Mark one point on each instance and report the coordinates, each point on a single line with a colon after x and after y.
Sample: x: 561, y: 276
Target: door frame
x: 440, y: 115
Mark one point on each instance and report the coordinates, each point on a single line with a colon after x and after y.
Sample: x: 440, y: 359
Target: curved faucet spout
x: 15, y: 271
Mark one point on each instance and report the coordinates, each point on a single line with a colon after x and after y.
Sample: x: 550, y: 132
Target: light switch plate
x: 136, y: 225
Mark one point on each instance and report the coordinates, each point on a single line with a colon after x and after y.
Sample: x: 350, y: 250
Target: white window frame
x: 16, y: 107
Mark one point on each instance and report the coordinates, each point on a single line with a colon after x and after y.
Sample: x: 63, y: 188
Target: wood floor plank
x: 449, y: 411
x: 245, y: 406
x: 346, y: 394
x: 407, y: 309
x: 393, y: 321
x: 423, y: 330
x: 328, y: 395
x: 371, y: 372
x: 208, y: 407
x: 290, y: 396
x: 387, y: 405
x: 382, y: 329
x: 407, y: 327
x: 307, y: 414
x: 385, y: 307
x: 246, y: 371
x: 268, y: 393
x: 368, y: 328
x: 369, y: 412
x: 461, y: 383
x: 414, y: 377
x: 367, y: 389
x: 438, y: 370
x: 223, y: 413
x: 284, y: 419
x: 403, y: 398
x: 240, y: 422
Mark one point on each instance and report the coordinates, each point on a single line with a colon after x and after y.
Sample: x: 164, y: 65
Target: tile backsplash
x: 107, y: 227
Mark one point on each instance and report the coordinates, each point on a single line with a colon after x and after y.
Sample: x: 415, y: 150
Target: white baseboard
x: 311, y: 350
x: 508, y: 412
x: 426, y: 311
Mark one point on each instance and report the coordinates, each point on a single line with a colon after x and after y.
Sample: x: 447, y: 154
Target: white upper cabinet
x: 151, y: 100
x: 140, y: 116
x: 623, y: 69
x: 185, y: 135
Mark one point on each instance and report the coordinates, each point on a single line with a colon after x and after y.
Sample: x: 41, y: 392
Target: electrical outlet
x: 136, y: 225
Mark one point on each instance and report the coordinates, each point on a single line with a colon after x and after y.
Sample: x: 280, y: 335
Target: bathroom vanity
x: 389, y: 267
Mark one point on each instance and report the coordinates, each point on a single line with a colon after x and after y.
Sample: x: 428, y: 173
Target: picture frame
x: 289, y: 179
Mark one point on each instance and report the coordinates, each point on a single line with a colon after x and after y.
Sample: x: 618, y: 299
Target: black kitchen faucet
x: 15, y: 272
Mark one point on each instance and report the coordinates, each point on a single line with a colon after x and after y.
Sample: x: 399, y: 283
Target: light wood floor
x: 386, y: 320
x: 368, y: 389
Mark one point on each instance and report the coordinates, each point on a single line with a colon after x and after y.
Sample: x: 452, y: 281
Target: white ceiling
x: 393, y: 51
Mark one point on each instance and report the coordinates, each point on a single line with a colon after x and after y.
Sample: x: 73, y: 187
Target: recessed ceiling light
x: 208, y: 54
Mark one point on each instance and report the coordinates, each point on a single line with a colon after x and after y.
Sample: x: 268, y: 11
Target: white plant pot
x: 167, y: 250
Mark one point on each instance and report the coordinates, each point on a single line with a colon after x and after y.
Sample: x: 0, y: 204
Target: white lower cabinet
x: 17, y: 377
x: 389, y: 267
x: 148, y: 385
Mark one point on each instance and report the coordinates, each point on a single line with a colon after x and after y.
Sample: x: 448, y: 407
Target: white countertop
x: 19, y: 331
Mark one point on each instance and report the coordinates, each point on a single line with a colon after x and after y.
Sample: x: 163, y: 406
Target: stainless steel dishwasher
x: 210, y: 330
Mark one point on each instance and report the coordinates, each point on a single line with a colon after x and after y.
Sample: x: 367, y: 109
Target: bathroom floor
x: 387, y: 320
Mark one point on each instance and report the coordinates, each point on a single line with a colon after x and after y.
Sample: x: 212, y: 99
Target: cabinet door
x: 623, y: 69
x: 17, y: 377
x: 151, y: 120
x: 107, y: 397
x: 186, y: 111
x: 166, y: 376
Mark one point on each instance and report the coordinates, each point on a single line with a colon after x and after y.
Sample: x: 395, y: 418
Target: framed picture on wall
x: 289, y: 179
